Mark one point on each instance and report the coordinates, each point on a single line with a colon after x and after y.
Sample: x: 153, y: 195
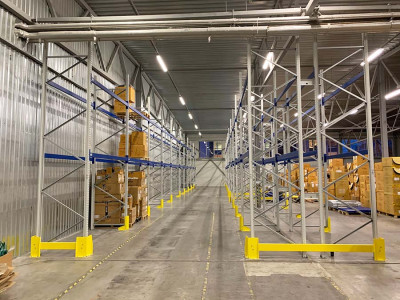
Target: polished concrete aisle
x: 189, y: 250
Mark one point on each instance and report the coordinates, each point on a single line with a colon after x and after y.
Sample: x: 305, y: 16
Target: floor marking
x: 63, y: 293
x: 244, y: 266
x: 208, y: 259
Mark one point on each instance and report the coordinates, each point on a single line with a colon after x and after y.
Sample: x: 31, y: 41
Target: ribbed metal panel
x: 20, y: 91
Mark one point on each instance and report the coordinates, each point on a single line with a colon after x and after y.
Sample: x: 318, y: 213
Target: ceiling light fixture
x: 296, y: 114
x: 195, y: 126
x: 268, y: 61
x: 199, y: 133
x: 182, y: 100
x: 392, y: 94
x: 373, y: 56
x: 190, y: 116
x: 162, y: 63
x: 353, y: 111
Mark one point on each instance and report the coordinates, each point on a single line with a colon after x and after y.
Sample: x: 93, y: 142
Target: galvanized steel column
x: 300, y: 142
x: 87, y: 139
x: 319, y: 141
x: 370, y: 145
x: 127, y: 98
x: 250, y: 138
x: 43, y: 101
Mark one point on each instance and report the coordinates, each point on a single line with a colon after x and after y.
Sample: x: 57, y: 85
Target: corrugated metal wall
x: 20, y: 91
x: 210, y: 172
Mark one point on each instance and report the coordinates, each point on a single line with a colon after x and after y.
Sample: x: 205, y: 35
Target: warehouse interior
x: 187, y: 149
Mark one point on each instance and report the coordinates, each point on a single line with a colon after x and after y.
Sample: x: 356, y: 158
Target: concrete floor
x: 193, y: 250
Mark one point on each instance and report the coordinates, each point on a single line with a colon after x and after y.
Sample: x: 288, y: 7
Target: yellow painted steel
x: 161, y: 204
x: 241, y: 224
x: 148, y: 210
x: 379, y: 249
x: 57, y: 245
x: 179, y: 194
x: 236, y: 212
x: 126, y: 224
x: 35, y: 246
x: 171, y: 198
x: 251, y: 248
x: 84, y: 245
x: 316, y: 247
x: 327, y: 229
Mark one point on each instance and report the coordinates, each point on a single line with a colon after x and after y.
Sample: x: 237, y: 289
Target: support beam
x: 310, y: 7
x: 383, y: 113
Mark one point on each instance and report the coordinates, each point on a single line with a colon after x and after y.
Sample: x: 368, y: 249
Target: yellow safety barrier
x: 241, y: 224
x: 161, y: 204
x: 171, y: 198
x: 126, y: 224
x: 253, y: 248
x: 328, y: 228
x: 148, y: 210
x: 179, y: 194
x: 83, y: 246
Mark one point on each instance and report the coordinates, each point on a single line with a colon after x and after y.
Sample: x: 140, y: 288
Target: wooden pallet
x: 133, y: 115
x: 311, y: 200
x: 389, y: 215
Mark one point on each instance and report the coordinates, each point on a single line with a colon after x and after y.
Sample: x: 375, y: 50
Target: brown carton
x: 138, y: 138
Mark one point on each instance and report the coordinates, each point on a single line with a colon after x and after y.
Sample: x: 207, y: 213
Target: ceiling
x: 206, y: 71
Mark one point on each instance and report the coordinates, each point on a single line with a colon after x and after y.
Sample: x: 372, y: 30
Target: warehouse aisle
x: 190, y: 250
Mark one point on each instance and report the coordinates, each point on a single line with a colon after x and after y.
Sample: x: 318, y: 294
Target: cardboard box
x: 120, y: 91
x: 111, y: 170
x: 111, y: 188
x: 138, y: 138
x: 109, y: 212
x: 113, y: 178
x: 393, y: 162
x: 336, y: 162
x: 358, y: 160
x: 378, y: 166
x: 139, y: 151
x: 107, y: 198
x: 7, y: 259
x: 136, y: 193
x: 120, y: 108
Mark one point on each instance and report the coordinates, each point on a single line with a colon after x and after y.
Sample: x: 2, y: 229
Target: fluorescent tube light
x: 373, y: 56
x: 195, y: 126
x: 392, y: 94
x: 182, y: 100
x: 162, y: 63
x: 267, y: 63
x: 199, y: 133
x: 353, y: 111
x: 190, y: 116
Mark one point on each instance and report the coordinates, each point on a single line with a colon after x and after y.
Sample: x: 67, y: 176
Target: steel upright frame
x: 287, y: 133
x: 83, y: 245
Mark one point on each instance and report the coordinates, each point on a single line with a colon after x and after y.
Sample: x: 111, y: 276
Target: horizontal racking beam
x: 113, y: 158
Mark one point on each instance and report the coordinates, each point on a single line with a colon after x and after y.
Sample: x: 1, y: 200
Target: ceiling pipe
x: 250, y: 13
x: 231, y: 21
x: 176, y: 33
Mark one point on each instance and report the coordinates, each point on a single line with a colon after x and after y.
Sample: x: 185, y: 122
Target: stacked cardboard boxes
x: 7, y: 275
x: 107, y: 208
x: 391, y: 188
x: 119, y: 108
x: 137, y: 188
x: 137, y: 145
